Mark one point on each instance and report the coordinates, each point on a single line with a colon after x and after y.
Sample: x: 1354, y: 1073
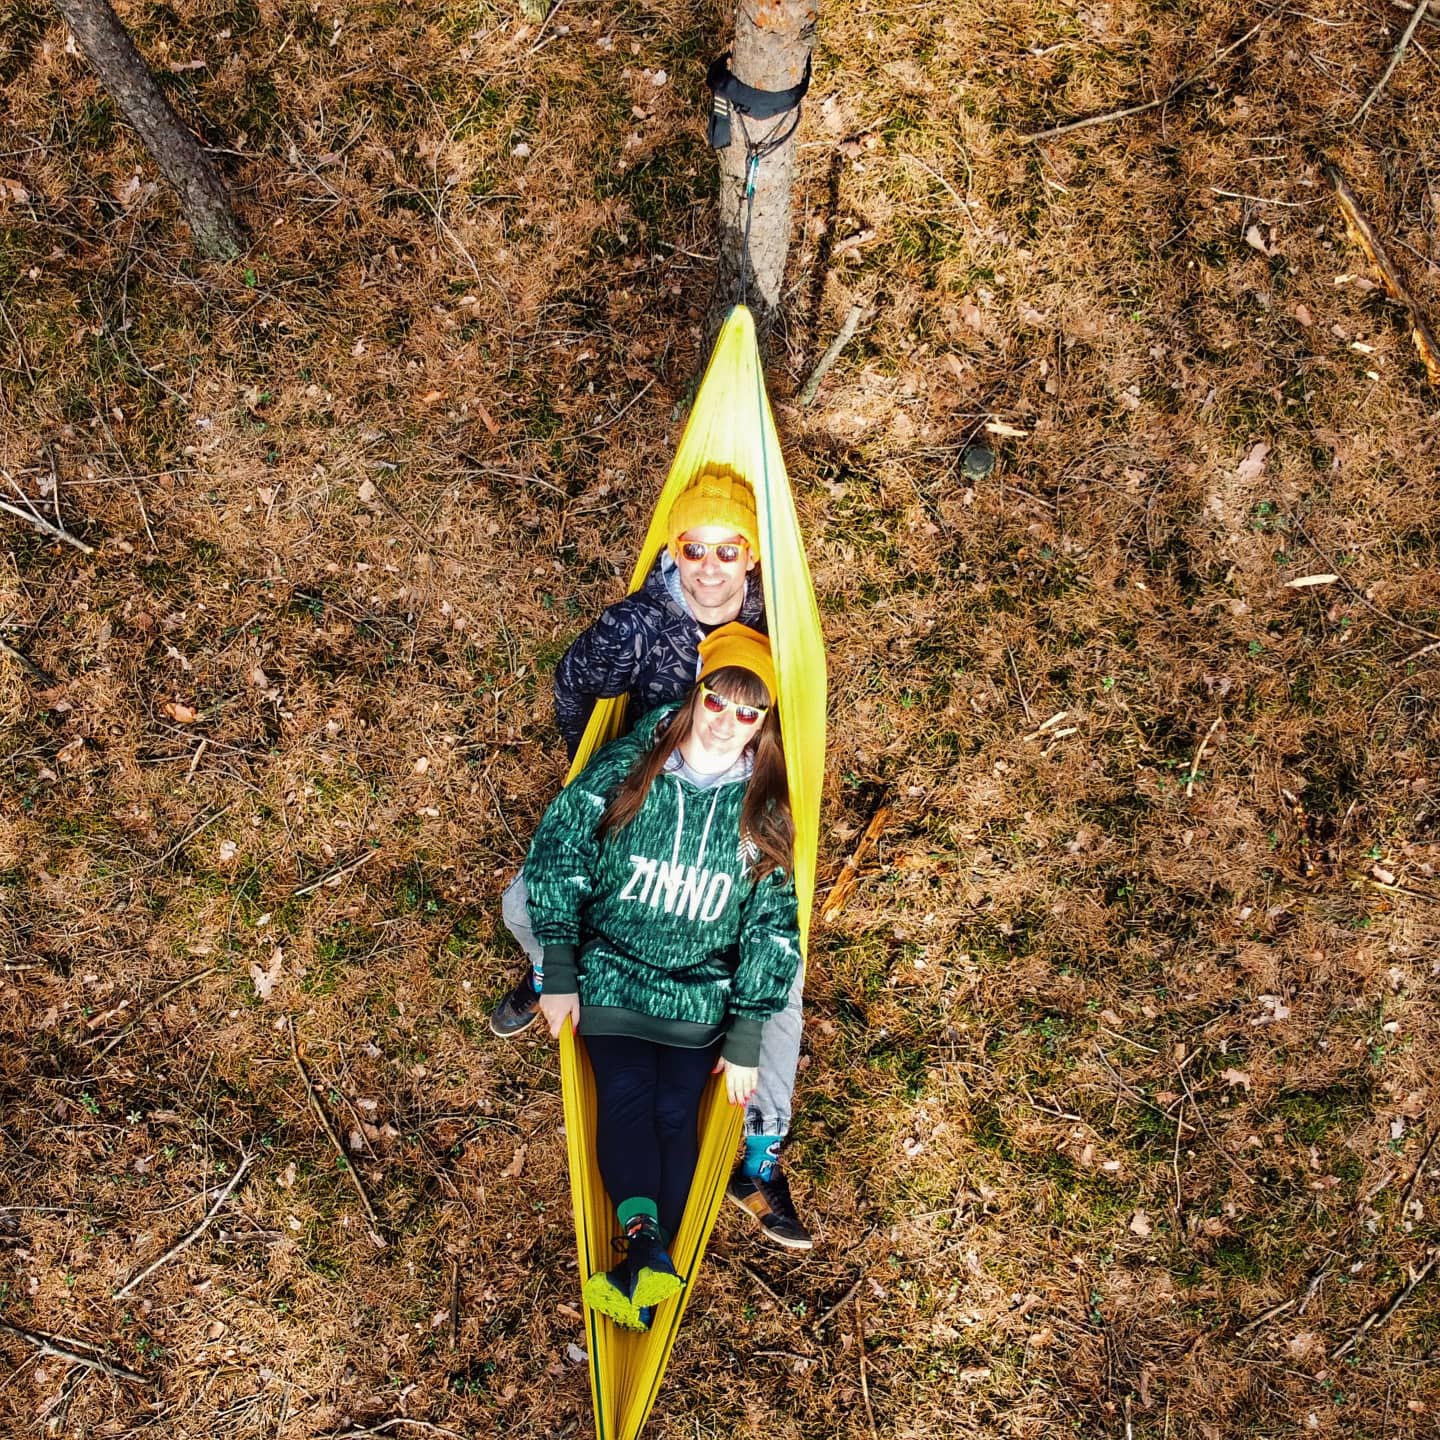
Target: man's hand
x: 556, y: 1007
x: 740, y: 1080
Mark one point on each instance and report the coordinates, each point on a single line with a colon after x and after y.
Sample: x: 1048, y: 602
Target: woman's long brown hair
x: 765, y: 818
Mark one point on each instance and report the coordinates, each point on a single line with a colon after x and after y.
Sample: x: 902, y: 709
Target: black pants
x: 647, y: 1104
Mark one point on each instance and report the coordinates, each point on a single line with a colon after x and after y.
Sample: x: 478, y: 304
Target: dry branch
x: 32, y: 517
x: 376, y: 1234
x: 1417, y: 15
x: 1171, y: 94
x: 183, y: 1245
x: 844, y: 887
x: 333, y: 877
x: 1379, y: 1317
x: 65, y: 1350
x: 839, y: 1304
x: 38, y: 675
x: 832, y: 354
x: 160, y: 999
x: 1199, y: 756
x: 1363, y: 234
x: 864, y: 1377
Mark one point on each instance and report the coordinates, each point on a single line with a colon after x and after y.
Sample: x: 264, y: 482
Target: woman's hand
x: 740, y: 1080
x: 556, y: 1007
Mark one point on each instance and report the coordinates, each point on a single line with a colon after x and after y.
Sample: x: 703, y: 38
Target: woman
x: 660, y: 889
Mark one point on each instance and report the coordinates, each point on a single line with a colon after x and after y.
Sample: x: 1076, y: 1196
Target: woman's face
x: 717, y: 736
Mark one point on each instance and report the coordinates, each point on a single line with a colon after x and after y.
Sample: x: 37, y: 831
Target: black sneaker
x: 769, y: 1203
x: 518, y: 1010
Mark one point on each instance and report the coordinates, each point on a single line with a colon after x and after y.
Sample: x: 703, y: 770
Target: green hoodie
x: 671, y: 938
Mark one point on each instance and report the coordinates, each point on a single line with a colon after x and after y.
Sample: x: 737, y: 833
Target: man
x: 646, y: 646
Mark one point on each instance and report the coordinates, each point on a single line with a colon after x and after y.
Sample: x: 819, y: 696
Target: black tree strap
x: 733, y: 95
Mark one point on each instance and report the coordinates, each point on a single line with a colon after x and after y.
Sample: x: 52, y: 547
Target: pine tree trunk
x: 773, y: 39
x: 124, y: 73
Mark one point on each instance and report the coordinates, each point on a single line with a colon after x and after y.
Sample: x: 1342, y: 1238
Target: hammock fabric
x: 730, y: 426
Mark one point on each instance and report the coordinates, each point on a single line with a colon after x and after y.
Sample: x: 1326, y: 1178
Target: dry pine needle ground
x: 1121, y: 1061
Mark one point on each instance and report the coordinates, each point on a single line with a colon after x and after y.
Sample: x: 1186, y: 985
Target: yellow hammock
x: 729, y: 426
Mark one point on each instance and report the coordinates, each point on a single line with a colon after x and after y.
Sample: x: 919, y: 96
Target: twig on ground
x: 839, y: 1304
x: 1265, y: 1315
x: 1419, y: 1171
x: 183, y: 1245
x: 331, y: 877
x: 1199, y: 756
x: 377, y: 1236
x: 1171, y: 94
x: 763, y: 1283
x: 831, y: 355
x: 185, y: 839
x: 949, y: 188
x: 1359, y: 596
x: 844, y: 886
x: 1416, y: 16
x: 454, y: 1303
x: 63, y: 1349
x: 1432, y: 17
x: 160, y: 999
x: 428, y: 1427
x: 1379, y: 1317
x: 864, y: 1377
x: 1363, y: 234
x: 38, y: 675
x: 1015, y: 671
x: 33, y: 517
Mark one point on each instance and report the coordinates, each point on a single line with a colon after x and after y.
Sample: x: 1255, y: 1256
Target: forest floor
x: 1119, y: 1098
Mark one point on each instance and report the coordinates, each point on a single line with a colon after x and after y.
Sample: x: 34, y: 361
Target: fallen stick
x: 183, y: 1245
x: 831, y: 355
x: 1431, y: 18
x: 1379, y: 1317
x: 840, y: 1304
x: 1417, y: 15
x: 38, y: 675
x: 1415, y: 1177
x: 1363, y: 234
x: 864, y: 1377
x: 849, y: 877
x: 46, y: 528
x: 61, y: 1350
x: 1199, y: 756
x: 333, y: 877
x: 376, y: 1235
x: 160, y: 999
x: 1174, y: 92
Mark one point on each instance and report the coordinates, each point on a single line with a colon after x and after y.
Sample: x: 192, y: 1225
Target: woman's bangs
x: 740, y: 686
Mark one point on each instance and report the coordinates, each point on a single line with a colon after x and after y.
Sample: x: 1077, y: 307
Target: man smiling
x: 647, y: 646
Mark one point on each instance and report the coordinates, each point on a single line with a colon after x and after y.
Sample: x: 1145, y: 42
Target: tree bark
x: 773, y: 40
x: 204, y: 199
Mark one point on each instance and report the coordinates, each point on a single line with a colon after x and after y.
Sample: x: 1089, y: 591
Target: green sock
x: 638, y: 1206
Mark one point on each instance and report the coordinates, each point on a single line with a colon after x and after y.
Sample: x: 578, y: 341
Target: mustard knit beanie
x: 719, y: 498
x: 738, y: 645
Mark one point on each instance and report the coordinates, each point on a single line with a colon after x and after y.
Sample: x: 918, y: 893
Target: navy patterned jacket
x: 646, y: 645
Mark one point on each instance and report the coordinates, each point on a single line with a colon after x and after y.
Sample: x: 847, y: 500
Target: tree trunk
x: 203, y: 197
x: 773, y: 39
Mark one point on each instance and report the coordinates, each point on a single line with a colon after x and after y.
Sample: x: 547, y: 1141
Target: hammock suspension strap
x: 732, y: 99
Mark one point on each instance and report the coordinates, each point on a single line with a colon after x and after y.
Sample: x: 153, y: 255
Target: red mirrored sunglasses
x: 719, y: 704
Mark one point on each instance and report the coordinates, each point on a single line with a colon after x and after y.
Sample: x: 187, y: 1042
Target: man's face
x: 713, y: 588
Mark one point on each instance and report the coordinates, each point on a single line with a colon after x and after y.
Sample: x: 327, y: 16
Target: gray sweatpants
x: 768, y: 1112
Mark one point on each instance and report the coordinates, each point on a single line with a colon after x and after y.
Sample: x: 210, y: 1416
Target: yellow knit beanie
x: 719, y: 498
x: 738, y: 645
